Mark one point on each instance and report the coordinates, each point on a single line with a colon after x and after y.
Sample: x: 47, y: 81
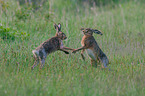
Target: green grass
x: 122, y: 25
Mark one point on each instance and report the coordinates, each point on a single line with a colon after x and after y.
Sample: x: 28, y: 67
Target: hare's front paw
x: 66, y: 52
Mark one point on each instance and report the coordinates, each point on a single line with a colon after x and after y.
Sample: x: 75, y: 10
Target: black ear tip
x: 100, y: 33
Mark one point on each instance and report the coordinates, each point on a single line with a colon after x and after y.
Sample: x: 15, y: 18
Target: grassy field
x: 123, y: 41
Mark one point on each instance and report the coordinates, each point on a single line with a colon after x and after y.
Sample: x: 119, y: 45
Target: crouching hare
x: 51, y: 45
x: 93, y: 50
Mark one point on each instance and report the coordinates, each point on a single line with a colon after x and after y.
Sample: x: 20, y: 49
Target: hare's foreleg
x: 62, y: 47
x: 66, y: 52
x: 83, y: 54
x: 66, y: 48
x: 75, y: 50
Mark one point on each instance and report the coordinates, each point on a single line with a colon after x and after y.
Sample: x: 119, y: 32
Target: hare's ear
x: 56, y: 27
x: 82, y: 29
x: 97, y: 32
x: 59, y: 26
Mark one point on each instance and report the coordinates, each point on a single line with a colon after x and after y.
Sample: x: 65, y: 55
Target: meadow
x: 23, y: 28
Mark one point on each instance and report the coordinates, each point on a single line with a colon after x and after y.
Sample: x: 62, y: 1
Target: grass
x: 123, y: 39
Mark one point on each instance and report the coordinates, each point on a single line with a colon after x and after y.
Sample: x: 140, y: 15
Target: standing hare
x: 51, y: 45
x: 93, y: 50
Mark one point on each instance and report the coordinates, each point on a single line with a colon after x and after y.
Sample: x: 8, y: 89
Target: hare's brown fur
x: 93, y: 50
x: 51, y: 45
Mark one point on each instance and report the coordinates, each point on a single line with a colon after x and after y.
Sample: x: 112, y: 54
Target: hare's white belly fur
x: 91, y: 54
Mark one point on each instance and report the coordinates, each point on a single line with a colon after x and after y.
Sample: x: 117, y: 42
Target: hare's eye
x: 84, y: 31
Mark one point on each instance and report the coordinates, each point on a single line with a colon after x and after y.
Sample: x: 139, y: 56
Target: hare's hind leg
x: 42, y: 62
x: 36, y: 57
x: 42, y: 58
x: 105, y: 61
x: 94, y: 63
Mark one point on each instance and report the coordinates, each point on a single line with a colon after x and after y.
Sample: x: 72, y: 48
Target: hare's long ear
x: 56, y: 27
x: 59, y: 26
x: 97, y: 31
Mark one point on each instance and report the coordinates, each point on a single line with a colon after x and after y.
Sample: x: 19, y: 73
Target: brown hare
x: 93, y: 50
x: 51, y: 45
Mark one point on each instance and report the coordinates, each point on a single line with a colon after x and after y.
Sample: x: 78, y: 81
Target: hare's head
x: 59, y: 33
x: 89, y: 31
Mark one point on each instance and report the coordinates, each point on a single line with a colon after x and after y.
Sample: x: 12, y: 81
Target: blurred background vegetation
x: 15, y: 13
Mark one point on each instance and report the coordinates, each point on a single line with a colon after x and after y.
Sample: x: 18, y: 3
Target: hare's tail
x: 35, y: 53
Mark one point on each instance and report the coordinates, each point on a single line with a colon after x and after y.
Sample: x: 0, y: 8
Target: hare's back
x: 50, y: 45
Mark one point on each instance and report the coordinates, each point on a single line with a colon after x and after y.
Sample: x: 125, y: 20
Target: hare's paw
x: 66, y: 52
